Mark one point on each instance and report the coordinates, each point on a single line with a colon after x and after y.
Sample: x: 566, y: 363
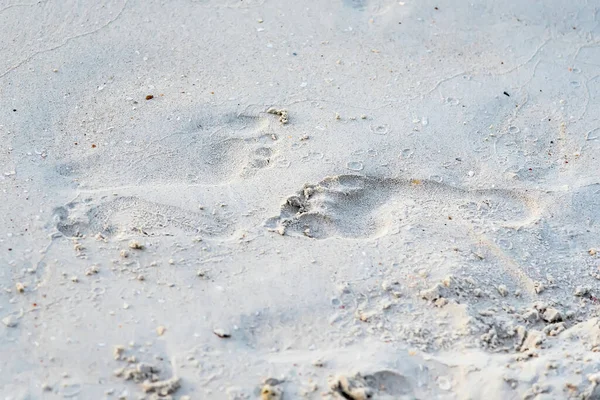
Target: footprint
x: 354, y: 206
x: 132, y: 214
x: 212, y: 150
x: 260, y: 158
x: 390, y: 383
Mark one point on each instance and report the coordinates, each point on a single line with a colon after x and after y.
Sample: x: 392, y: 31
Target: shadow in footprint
x: 390, y: 383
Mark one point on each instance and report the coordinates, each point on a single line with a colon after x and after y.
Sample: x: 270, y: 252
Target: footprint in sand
x: 260, y: 158
x: 354, y: 206
x: 212, y: 151
x: 127, y: 214
x: 215, y: 149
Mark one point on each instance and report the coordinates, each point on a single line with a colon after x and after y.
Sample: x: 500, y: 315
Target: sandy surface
x: 314, y: 199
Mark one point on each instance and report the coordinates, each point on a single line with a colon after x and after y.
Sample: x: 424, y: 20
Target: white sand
x: 423, y: 219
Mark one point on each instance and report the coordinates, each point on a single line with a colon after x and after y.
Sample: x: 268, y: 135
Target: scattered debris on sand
x: 146, y: 375
x: 93, y: 270
x: 118, y: 352
x: 532, y: 341
x: 271, y: 390
x: 581, y: 291
x: 135, y: 245
x: 283, y: 114
x: 201, y: 273
x: 138, y: 373
x: 538, y: 287
x: 502, y: 290
x: 162, y: 388
x: 351, y: 388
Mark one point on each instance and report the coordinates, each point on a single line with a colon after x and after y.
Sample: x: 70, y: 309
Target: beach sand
x: 346, y: 199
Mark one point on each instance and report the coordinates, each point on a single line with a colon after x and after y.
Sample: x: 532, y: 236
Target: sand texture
x: 332, y: 199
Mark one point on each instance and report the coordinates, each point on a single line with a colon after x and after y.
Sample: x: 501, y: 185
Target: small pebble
x: 10, y: 321
x: 581, y: 291
x: 134, y: 244
x: 502, y: 290
x: 222, y: 333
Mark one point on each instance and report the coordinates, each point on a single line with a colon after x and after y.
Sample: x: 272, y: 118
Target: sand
x: 347, y: 199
